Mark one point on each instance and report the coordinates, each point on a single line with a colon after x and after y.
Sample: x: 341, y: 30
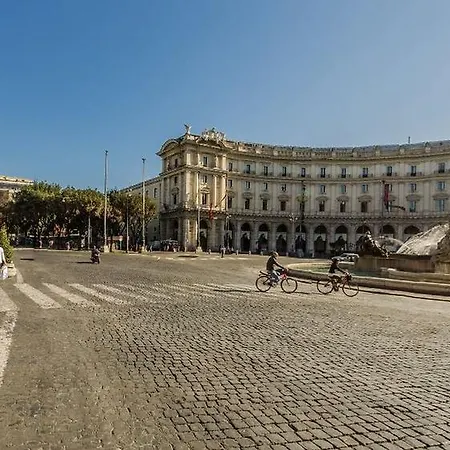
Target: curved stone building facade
x: 310, y: 201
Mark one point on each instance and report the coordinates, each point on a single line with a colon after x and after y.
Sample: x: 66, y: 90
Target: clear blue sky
x: 79, y: 77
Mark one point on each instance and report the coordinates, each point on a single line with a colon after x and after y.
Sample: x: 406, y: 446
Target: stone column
x: 291, y: 240
x: 309, y: 239
x: 237, y: 235
x: 214, y: 191
x: 185, y: 236
x: 212, y: 236
x: 221, y: 224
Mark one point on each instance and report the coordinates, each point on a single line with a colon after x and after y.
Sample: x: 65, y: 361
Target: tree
x: 4, y: 242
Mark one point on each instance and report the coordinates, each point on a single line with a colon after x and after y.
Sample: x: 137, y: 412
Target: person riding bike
x: 332, y: 272
x: 270, y: 267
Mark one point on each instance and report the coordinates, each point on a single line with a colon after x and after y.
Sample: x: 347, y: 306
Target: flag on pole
x: 386, y: 195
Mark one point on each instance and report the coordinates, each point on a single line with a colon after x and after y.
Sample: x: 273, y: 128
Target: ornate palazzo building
x: 257, y: 197
x: 9, y: 185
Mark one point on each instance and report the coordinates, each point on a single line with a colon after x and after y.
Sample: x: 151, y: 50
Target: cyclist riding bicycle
x: 270, y: 267
x: 332, y: 272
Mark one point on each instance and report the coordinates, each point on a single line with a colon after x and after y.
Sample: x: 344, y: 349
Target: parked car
x: 349, y: 257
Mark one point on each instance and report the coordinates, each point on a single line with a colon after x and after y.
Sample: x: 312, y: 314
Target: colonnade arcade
x: 308, y: 239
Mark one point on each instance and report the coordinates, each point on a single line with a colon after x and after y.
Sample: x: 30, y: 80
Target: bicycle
x: 264, y: 282
x: 349, y: 287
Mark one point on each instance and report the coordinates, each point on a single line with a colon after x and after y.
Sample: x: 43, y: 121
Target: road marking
x: 118, y: 291
x: 94, y: 293
x: 5, y: 302
x: 44, y: 301
x: 5, y: 340
x: 19, y: 277
x: 74, y: 298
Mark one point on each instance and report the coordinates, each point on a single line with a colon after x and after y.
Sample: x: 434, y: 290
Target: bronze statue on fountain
x: 368, y: 246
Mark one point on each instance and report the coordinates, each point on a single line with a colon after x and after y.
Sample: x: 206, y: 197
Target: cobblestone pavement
x: 183, y: 353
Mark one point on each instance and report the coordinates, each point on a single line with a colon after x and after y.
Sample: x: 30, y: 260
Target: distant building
x: 10, y: 185
x: 152, y: 193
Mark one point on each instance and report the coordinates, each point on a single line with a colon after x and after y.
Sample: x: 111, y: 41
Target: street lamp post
x: 105, y: 241
x: 143, y: 204
x: 293, y: 219
x: 128, y: 224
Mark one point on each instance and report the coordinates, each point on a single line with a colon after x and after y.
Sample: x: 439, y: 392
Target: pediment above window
x: 343, y: 198
x: 204, y: 188
x: 247, y: 194
x: 440, y: 196
x: 322, y: 198
x: 231, y: 194
x: 413, y: 197
x: 175, y: 190
x: 365, y: 198
x: 283, y: 197
x: 265, y: 196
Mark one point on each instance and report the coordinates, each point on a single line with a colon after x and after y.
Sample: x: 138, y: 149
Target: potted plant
x: 9, y: 252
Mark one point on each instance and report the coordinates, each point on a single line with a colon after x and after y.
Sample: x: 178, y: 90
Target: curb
x: 418, y: 287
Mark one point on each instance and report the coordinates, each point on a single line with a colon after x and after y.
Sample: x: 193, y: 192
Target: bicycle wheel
x: 350, y: 288
x: 324, y: 286
x: 289, y: 285
x: 263, y: 283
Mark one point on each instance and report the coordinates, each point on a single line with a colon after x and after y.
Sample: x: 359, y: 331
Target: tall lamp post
x: 293, y: 219
x: 143, y: 205
x: 128, y: 223
x: 105, y: 241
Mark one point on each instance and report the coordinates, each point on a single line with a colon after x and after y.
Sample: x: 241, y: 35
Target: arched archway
x: 281, y: 238
x: 340, y: 240
x: 320, y: 241
x: 204, y: 235
x: 262, y: 243
x: 228, y: 236
x: 174, y: 230
x: 388, y: 231
x: 300, y: 240
x: 245, y: 237
x: 411, y: 230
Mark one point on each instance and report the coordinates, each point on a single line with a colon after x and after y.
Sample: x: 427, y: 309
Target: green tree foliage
x: 4, y: 242
x: 44, y: 209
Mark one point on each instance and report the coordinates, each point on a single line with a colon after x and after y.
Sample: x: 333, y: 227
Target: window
x: 265, y: 186
x: 413, y: 171
x: 175, y: 180
x: 247, y: 185
x: 283, y: 188
x: 364, y: 207
x: 229, y: 202
x: 176, y: 162
x: 174, y: 198
x: 440, y: 186
x: 412, y: 206
x: 322, y: 189
x: 205, y: 161
x: 323, y: 172
x: 322, y: 206
x: 364, y: 188
x: 282, y: 205
x: 247, y: 168
x: 264, y: 205
x: 440, y: 205
x: 155, y: 192
x: 412, y: 187
x: 230, y: 167
x: 389, y: 171
x: 284, y: 171
x: 343, y: 189
x: 204, y: 199
x: 204, y: 179
x: 365, y: 172
x: 230, y: 183
x: 247, y: 203
x: 441, y: 168
x: 342, y: 207
x: 343, y: 172
x: 266, y: 170
x: 303, y: 172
